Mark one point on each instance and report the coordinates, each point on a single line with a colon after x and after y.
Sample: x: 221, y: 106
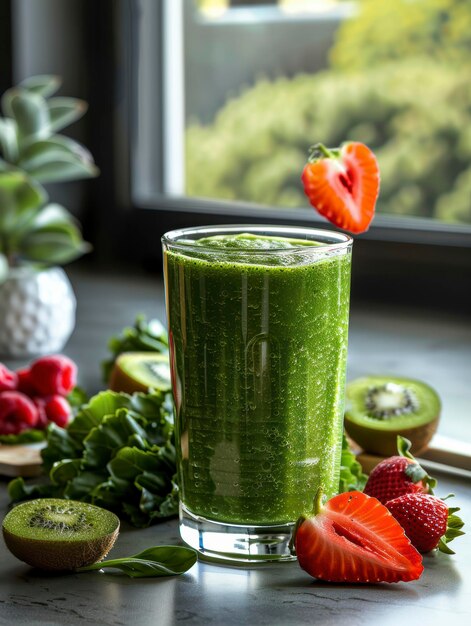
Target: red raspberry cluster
x: 34, y: 396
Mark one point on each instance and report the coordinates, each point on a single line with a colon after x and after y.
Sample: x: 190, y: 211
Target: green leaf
x: 414, y: 470
x: 84, y: 485
x: 352, y: 477
x: 153, y: 562
x: 91, y: 415
x: 64, y: 111
x: 64, y: 167
x: 28, y: 436
x: 20, y: 196
x: 30, y: 111
x: 77, y: 397
x: 60, y: 445
x: 108, y: 455
x: 44, y: 84
x: 64, y: 471
x: 53, y: 245
x: 9, y: 139
x: 18, y: 490
x: 114, y: 432
x: 142, y: 337
x: 53, y: 150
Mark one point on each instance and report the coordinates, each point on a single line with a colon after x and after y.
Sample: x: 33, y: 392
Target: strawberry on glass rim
x: 353, y: 538
x: 342, y: 184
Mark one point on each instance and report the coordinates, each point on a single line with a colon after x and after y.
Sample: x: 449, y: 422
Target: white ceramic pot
x: 37, y: 311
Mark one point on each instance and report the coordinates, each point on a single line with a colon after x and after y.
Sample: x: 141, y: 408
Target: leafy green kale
x: 142, y: 337
x: 117, y: 453
x: 352, y: 477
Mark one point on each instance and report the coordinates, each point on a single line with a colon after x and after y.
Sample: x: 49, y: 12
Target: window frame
x: 162, y: 136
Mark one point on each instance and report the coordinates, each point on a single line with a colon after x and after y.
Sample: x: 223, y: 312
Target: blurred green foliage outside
x: 413, y: 110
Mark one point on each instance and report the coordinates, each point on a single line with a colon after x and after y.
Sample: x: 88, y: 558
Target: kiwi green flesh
x: 137, y: 371
x: 55, y: 534
x: 379, y: 436
x: 384, y: 443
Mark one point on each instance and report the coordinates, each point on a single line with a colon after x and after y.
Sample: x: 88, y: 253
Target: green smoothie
x: 258, y: 332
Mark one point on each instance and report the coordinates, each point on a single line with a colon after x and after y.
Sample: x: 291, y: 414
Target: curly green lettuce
x: 118, y: 453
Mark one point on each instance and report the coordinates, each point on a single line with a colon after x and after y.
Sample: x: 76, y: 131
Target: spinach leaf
x: 156, y: 561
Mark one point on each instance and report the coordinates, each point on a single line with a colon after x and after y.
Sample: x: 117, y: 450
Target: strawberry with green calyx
x: 398, y: 475
x: 342, y: 184
x: 427, y: 521
x: 353, y: 538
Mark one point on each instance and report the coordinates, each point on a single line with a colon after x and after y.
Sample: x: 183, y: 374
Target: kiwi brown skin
x: 57, y: 554
x: 385, y: 444
x: 377, y: 434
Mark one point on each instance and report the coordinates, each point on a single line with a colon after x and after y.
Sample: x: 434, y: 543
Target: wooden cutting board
x: 20, y: 460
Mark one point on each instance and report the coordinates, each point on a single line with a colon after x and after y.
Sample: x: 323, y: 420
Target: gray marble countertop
x: 435, y: 348
x: 271, y: 595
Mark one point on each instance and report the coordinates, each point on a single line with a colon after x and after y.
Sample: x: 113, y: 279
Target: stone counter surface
x: 271, y: 595
x: 435, y: 348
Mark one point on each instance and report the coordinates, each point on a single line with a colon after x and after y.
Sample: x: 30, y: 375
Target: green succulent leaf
x: 20, y: 196
x: 64, y: 111
x: 64, y: 167
x: 43, y: 84
x: 53, y: 244
x: 52, y: 150
x: 31, y: 114
x: 9, y: 140
x: 53, y: 214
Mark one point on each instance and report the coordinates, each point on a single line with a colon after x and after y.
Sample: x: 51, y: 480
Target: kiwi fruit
x: 59, y: 535
x: 378, y: 408
x: 138, y: 371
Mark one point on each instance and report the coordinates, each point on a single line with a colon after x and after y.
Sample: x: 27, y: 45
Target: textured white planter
x: 37, y: 311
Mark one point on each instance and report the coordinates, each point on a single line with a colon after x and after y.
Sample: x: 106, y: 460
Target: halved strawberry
x: 354, y: 538
x: 343, y: 184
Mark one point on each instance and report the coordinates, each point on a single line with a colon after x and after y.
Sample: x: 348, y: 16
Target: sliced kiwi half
x: 378, y: 408
x: 139, y: 371
x: 54, y: 534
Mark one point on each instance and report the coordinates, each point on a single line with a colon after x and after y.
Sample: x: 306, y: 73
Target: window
x: 248, y: 86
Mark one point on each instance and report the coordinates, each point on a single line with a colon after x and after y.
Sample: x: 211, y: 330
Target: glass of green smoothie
x: 258, y: 328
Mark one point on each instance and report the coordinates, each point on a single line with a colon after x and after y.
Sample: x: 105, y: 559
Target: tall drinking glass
x: 258, y: 327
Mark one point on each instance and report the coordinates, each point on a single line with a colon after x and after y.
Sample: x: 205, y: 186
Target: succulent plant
x: 33, y: 153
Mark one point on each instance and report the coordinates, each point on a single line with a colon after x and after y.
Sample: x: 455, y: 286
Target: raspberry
x: 52, y: 375
x: 24, y: 382
x: 42, y: 421
x: 58, y: 410
x: 8, y: 379
x: 17, y: 413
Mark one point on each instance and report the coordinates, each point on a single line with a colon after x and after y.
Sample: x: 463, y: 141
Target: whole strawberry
x: 398, y: 475
x: 427, y: 521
